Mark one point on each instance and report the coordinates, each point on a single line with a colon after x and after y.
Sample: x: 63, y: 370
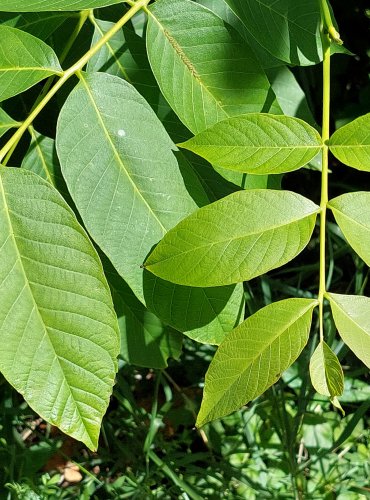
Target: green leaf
x: 286, y: 29
x: 6, y: 122
x: 235, y: 239
x: 41, y: 25
x: 257, y: 143
x: 56, y: 313
x: 124, y: 55
x: 52, y: 5
x: 326, y: 372
x: 351, y: 143
x: 145, y: 340
x: 24, y: 61
x: 352, y: 213
x: 352, y: 318
x: 203, y: 314
x: 41, y: 158
x: 254, y: 355
x: 121, y: 171
x: 202, y: 66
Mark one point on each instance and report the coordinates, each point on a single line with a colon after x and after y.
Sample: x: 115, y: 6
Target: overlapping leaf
x: 254, y: 355
x: 197, y: 61
x: 286, y: 29
x: 351, y: 143
x: 6, y: 122
x: 235, y: 239
x: 326, y: 373
x: 24, y: 61
x: 56, y: 314
x: 52, y: 5
x: 352, y: 318
x: 257, y: 143
x: 352, y: 213
x: 38, y: 24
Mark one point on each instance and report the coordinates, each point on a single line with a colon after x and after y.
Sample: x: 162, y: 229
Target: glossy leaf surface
x: 56, y: 314
x: 235, y: 239
x: 287, y: 29
x: 352, y: 213
x: 24, y: 61
x: 326, y: 372
x: 52, y: 5
x: 196, y: 60
x: 352, y: 318
x: 257, y: 143
x: 254, y: 355
x: 351, y: 143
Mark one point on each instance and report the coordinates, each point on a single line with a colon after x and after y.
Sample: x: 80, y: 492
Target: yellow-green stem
x: 325, y: 166
x: 70, y: 72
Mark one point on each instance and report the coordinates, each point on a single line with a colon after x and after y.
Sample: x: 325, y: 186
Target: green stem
x: 328, y: 23
x: 325, y: 169
x: 70, y: 72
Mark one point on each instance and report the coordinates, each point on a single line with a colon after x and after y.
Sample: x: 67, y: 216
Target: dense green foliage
x: 174, y: 193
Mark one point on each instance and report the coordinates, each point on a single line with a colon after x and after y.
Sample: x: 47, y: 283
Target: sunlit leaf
x: 56, y: 314
x: 6, y: 122
x: 24, y: 61
x: 235, y: 239
x: 254, y: 355
x: 257, y: 143
x: 352, y: 213
x: 351, y: 143
x: 352, y: 318
x: 52, y: 5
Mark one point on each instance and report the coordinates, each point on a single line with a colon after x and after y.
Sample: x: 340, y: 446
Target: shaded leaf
x: 52, y: 5
x: 254, y: 355
x: 24, y: 61
x: 6, y: 122
x: 351, y: 143
x: 352, y: 214
x: 286, y: 29
x: 56, y: 314
x: 352, y: 318
x: 326, y: 373
x: 257, y: 143
x: 235, y: 239
x: 196, y: 59
x: 38, y: 24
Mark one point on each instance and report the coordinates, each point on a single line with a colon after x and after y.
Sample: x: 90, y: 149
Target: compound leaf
x: 351, y: 143
x: 286, y: 29
x: 257, y: 143
x: 254, y: 355
x: 351, y: 315
x: 52, y: 5
x: 352, y: 213
x: 24, y: 61
x: 204, y: 69
x: 6, y: 122
x: 56, y: 314
x: 326, y: 372
x: 235, y: 239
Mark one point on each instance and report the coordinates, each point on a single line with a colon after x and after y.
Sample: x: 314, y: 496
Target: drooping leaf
x: 52, y: 5
x: 257, y: 143
x: 6, y: 122
x: 254, y: 355
x: 40, y: 25
x: 352, y: 318
x: 24, y: 61
x: 145, y: 340
x: 351, y: 143
x: 56, y: 314
x: 352, y: 213
x: 121, y: 171
x: 203, y: 314
x: 326, y: 373
x: 287, y: 29
x: 124, y: 55
x: 203, y: 68
x: 41, y: 158
x: 235, y: 239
